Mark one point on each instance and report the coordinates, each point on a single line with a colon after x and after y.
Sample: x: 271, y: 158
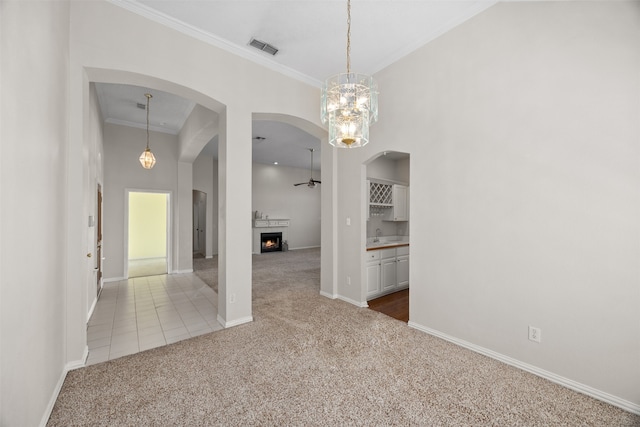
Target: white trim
x: 565, y: 382
x: 188, y: 270
x: 78, y: 363
x: 93, y: 307
x: 56, y: 391
x: 219, y: 42
x: 354, y: 302
x: 328, y: 295
x: 304, y: 247
x: 236, y: 322
x: 113, y: 279
x: 54, y: 397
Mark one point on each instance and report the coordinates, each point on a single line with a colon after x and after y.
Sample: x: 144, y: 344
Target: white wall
x: 525, y: 205
x: 34, y: 121
x: 122, y: 170
x: 273, y: 194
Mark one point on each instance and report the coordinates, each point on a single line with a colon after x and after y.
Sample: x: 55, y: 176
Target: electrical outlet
x: 535, y: 334
x: 348, y: 280
x: 348, y: 220
x: 232, y: 298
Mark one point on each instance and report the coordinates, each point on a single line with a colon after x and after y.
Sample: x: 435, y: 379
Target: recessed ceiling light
x: 275, y: 163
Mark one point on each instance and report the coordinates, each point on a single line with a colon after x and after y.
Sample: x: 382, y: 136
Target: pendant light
x: 147, y: 159
x: 349, y: 103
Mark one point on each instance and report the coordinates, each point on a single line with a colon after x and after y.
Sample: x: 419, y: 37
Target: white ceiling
x: 311, y: 38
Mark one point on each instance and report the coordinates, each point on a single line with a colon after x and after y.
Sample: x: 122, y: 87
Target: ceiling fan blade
x: 300, y: 183
x: 316, y: 181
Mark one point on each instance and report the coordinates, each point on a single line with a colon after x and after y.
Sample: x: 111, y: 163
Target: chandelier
x: 147, y: 159
x: 349, y: 103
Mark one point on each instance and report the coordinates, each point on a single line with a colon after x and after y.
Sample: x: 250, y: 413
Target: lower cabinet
x: 387, y: 271
x: 388, y: 274
x: 373, y: 278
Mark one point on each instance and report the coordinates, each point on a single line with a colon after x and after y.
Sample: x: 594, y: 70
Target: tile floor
x: 145, y: 312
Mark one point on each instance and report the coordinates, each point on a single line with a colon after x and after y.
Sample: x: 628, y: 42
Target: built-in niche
x: 388, y: 195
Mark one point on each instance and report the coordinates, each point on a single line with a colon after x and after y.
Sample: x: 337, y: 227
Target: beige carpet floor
x: 310, y: 361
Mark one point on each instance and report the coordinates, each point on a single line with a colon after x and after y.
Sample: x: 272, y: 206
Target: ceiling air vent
x: 141, y: 106
x: 265, y: 47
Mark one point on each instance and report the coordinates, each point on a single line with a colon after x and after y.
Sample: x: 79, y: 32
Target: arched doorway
x: 387, y: 218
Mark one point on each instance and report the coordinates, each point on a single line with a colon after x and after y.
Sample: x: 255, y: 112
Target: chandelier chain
x: 348, y: 36
x: 148, y: 95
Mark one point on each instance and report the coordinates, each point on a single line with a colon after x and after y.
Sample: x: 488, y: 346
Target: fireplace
x: 271, y: 242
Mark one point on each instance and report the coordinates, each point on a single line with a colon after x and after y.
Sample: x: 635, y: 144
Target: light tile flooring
x: 145, y: 312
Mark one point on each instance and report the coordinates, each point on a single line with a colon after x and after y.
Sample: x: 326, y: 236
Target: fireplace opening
x: 271, y: 242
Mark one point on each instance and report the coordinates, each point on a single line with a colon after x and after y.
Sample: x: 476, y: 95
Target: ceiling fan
x: 312, y: 182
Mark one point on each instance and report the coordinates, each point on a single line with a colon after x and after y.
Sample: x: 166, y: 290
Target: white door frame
x: 169, y: 249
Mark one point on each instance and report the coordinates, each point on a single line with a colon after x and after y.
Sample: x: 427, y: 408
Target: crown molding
x: 175, y: 24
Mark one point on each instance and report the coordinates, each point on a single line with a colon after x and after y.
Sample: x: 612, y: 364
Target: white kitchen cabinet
x: 373, y: 278
x: 388, y: 274
x: 402, y: 271
x: 400, y: 206
x: 373, y: 273
x: 387, y: 271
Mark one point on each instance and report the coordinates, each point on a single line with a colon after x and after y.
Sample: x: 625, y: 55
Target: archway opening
x: 387, y: 216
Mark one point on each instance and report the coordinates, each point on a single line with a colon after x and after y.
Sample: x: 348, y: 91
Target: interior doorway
x: 387, y: 217
x: 147, y: 233
x: 199, y: 223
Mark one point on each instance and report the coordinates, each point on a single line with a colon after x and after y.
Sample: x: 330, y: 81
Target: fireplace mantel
x: 264, y: 223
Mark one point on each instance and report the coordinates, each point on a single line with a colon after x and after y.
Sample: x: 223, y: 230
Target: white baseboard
x: 304, y: 247
x: 565, y: 382
x: 328, y: 295
x: 354, y: 302
x: 189, y: 270
x: 113, y: 279
x: 54, y: 397
x: 56, y: 391
x: 236, y: 322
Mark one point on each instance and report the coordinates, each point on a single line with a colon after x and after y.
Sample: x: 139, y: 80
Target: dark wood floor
x: 395, y: 305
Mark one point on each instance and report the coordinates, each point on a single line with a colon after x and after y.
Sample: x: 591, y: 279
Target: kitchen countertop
x: 385, y: 245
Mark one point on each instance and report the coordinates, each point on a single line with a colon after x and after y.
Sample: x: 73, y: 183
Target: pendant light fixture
x: 147, y: 159
x: 349, y: 103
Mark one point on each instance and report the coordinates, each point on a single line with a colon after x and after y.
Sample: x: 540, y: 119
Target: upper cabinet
x: 390, y: 201
x: 400, y: 208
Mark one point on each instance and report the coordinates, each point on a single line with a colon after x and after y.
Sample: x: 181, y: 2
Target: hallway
x: 147, y: 312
